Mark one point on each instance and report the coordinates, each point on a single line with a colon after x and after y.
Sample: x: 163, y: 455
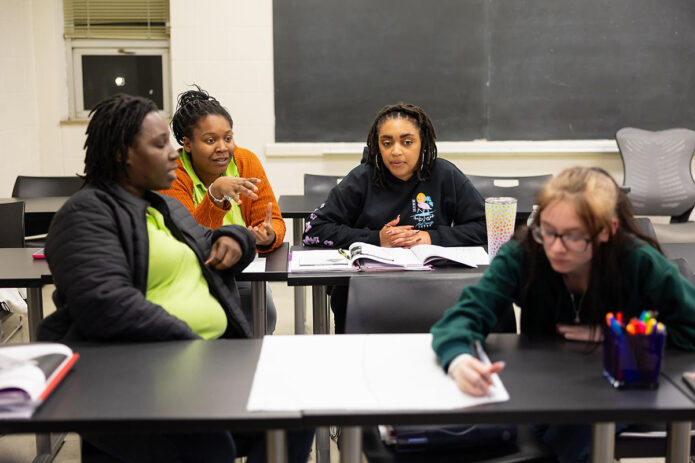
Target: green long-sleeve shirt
x: 649, y: 281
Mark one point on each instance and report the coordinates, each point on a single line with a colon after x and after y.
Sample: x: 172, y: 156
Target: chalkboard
x: 492, y: 69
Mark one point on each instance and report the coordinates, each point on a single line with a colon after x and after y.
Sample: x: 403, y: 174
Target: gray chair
x: 11, y: 236
x: 320, y: 185
x: 405, y: 303
x: 524, y: 189
x: 657, y: 170
x: 40, y: 187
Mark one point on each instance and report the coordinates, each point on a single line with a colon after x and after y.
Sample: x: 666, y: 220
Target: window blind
x: 116, y: 19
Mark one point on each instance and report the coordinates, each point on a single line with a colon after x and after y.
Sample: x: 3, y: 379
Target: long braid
x: 192, y: 106
x: 114, y: 123
x: 428, y: 136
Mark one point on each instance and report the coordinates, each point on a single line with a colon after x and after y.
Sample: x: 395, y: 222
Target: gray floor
x: 20, y: 448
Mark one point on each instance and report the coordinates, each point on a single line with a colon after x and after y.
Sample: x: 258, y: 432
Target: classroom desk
x: 38, y: 212
x: 549, y: 381
x: 151, y: 387
x: 20, y: 270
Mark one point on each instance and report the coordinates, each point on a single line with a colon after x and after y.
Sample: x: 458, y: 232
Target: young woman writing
x: 582, y: 257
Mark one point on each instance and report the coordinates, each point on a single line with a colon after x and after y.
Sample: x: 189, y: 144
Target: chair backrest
x: 407, y: 303
x: 646, y: 226
x: 320, y: 185
x: 524, y: 189
x: 12, y: 229
x: 657, y: 170
x: 37, y: 187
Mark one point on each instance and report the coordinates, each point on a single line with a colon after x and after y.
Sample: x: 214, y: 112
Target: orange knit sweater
x: 209, y: 214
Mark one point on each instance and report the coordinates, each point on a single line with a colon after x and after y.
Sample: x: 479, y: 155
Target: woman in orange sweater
x: 213, y: 174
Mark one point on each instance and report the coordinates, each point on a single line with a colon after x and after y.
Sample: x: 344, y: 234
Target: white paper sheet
x: 357, y: 372
x: 319, y: 260
x: 257, y: 265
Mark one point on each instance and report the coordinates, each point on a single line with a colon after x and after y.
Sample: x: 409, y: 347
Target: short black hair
x: 427, y: 137
x: 114, y: 123
x: 193, y: 105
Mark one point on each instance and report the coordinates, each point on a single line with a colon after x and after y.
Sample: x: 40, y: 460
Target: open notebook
x: 367, y: 257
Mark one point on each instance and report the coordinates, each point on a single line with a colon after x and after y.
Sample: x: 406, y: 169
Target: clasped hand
x: 393, y: 235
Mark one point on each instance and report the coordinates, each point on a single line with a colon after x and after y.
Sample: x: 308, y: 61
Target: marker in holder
x: 632, y: 360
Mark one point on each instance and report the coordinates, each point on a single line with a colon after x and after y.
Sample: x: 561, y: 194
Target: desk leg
x: 47, y: 446
x: 260, y: 308
x: 320, y: 313
x: 351, y: 444
x: 319, y: 296
x: 277, y: 446
x: 34, y: 311
x: 602, y: 442
x: 299, y: 291
x: 678, y: 449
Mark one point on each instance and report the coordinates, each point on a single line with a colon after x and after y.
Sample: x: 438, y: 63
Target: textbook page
x: 369, y: 256
x: 467, y: 255
x: 358, y: 372
x: 257, y: 265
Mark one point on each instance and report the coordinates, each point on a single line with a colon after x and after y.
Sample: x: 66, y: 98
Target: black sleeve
x: 467, y: 216
x: 332, y: 223
x: 91, y: 271
x: 246, y: 241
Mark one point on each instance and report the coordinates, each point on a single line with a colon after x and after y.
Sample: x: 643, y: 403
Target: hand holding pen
x: 474, y: 375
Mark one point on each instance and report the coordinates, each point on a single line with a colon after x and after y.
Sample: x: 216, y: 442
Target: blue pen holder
x: 632, y: 361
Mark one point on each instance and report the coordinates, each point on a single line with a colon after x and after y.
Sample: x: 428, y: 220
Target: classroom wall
x: 227, y: 48
x: 19, y: 118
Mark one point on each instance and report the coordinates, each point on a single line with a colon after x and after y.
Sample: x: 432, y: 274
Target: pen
x: 343, y: 253
x: 480, y: 353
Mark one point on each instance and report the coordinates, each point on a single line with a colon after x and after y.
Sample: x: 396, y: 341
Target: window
x: 117, y: 47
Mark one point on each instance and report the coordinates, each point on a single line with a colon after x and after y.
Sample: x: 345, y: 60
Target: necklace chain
x: 577, y: 307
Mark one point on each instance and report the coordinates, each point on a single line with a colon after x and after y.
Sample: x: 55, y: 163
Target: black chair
x: 320, y: 185
x: 411, y: 304
x: 40, y: 187
x: 12, y: 229
x: 646, y: 226
x: 407, y: 303
x: 11, y: 236
x: 524, y: 189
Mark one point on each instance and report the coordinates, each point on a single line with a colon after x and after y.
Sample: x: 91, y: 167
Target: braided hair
x: 114, y: 123
x: 193, y: 105
x: 421, y: 120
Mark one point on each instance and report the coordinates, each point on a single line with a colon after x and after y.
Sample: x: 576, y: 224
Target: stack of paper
x: 357, y: 372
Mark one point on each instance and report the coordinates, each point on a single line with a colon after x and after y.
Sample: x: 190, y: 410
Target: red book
x: 28, y: 375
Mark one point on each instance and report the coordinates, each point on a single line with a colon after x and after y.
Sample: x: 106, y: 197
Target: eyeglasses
x: 571, y: 241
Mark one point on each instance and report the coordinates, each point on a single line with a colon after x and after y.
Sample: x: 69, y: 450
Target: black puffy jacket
x: 98, y: 251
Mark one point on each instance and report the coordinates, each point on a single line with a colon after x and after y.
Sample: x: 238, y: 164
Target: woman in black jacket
x: 130, y: 264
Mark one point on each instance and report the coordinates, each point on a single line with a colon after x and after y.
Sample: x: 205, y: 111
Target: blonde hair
x: 594, y: 194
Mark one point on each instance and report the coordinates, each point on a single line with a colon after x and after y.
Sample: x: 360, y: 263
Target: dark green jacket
x: 649, y: 281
